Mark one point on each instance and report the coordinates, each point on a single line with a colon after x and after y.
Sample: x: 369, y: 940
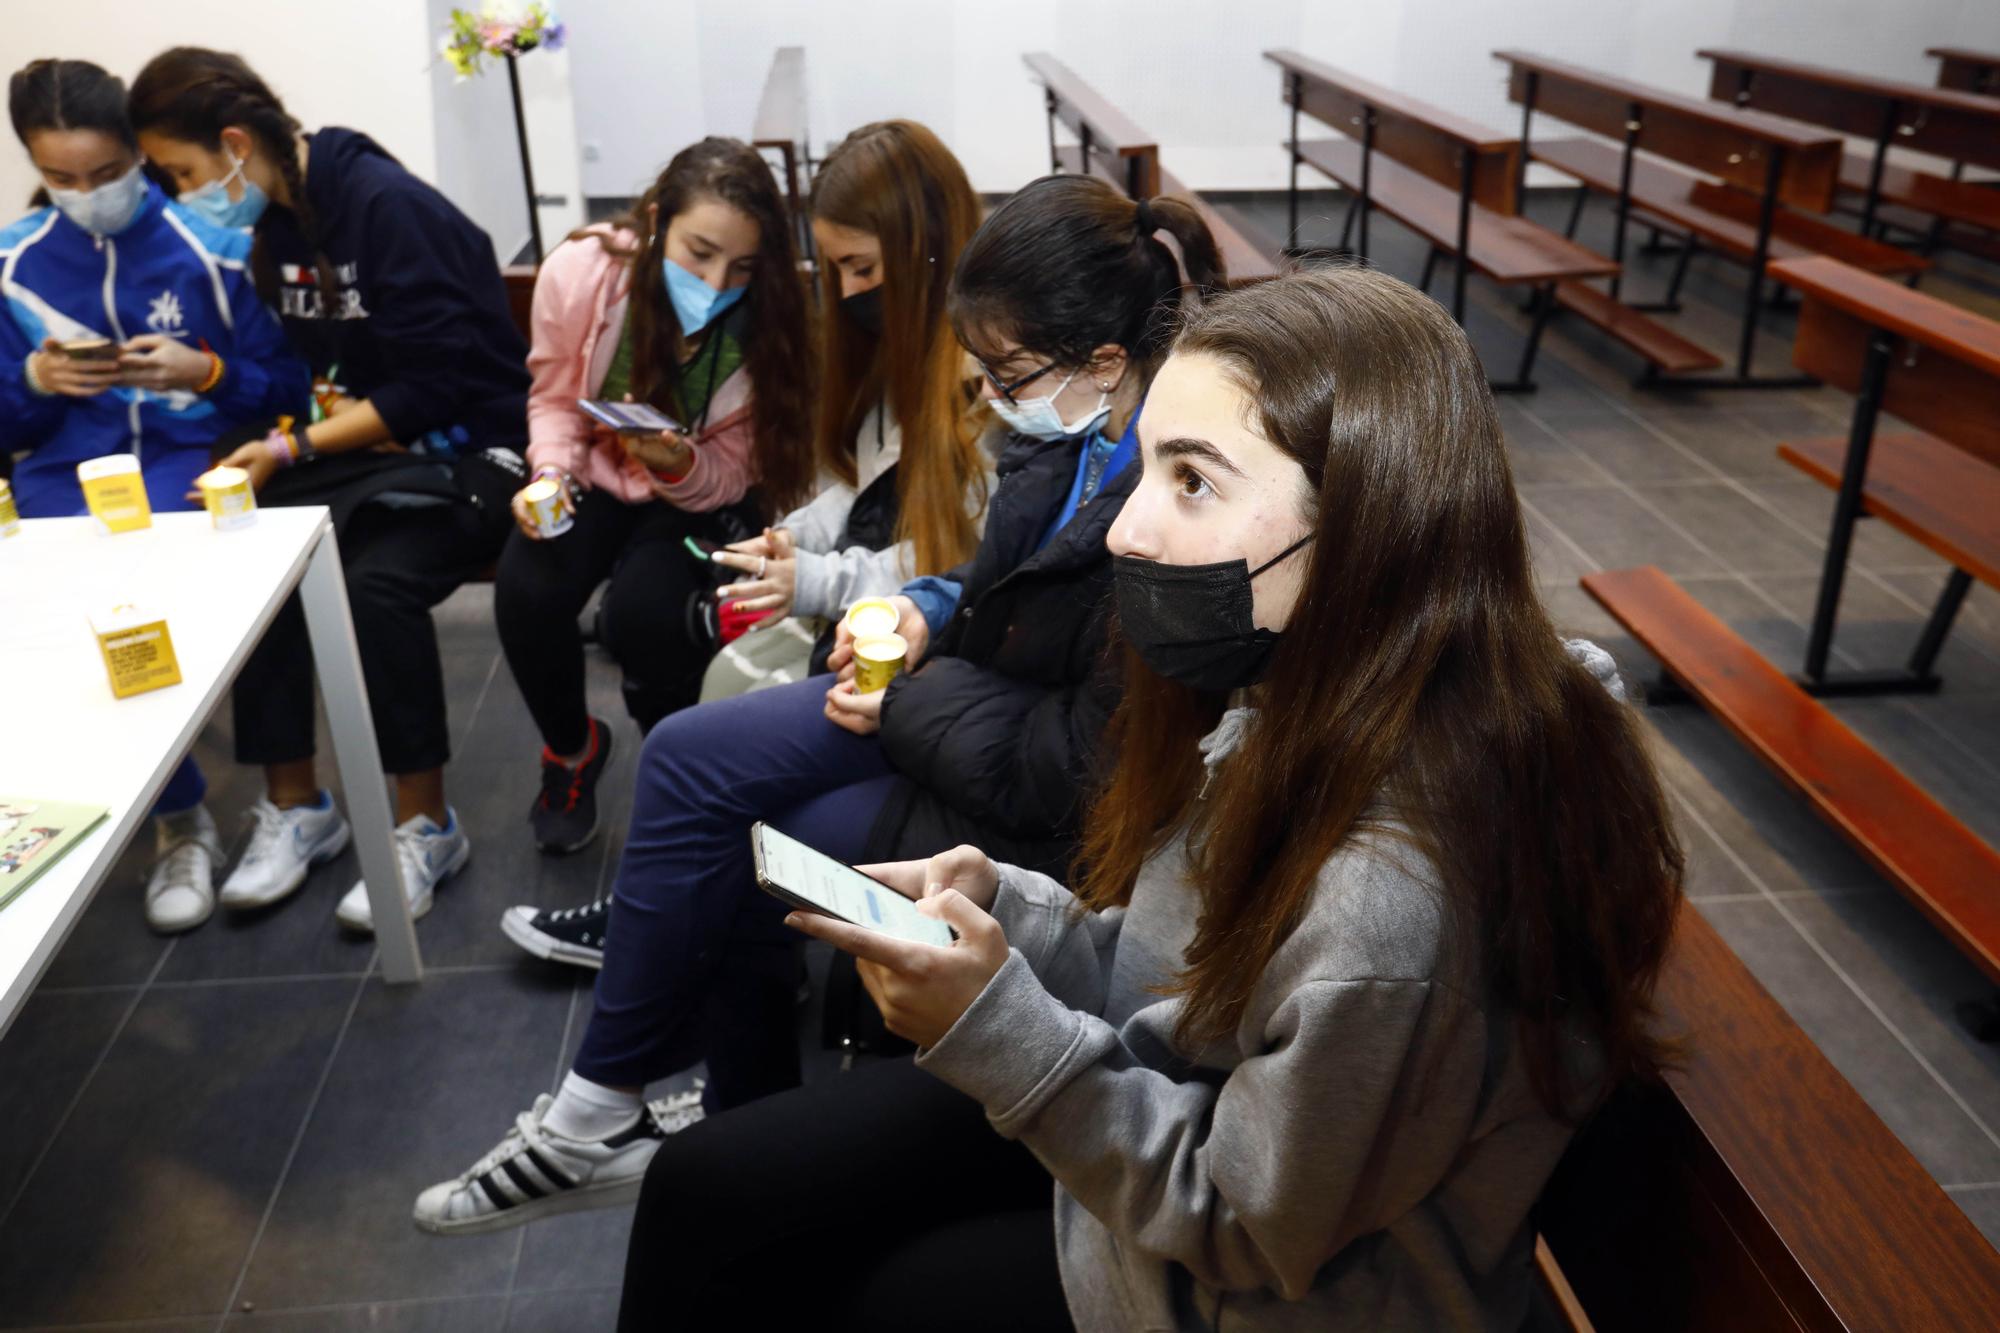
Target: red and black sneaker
x: 564, y: 814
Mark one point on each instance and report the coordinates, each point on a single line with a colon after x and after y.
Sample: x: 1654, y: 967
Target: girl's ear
x: 1107, y: 367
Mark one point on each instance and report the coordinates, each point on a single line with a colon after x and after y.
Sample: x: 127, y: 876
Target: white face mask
x: 1040, y: 419
x: 106, y: 210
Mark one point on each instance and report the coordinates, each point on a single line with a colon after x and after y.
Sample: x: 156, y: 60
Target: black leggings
x: 542, y: 587
x: 398, y: 563
x: 877, y: 1199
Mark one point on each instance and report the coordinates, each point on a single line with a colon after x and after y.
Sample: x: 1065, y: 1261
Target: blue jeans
x: 698, y: 963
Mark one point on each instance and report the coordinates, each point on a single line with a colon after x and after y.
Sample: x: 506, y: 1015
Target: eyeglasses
x: 1006, y: 390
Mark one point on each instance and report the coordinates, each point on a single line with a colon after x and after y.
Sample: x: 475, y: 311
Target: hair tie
x: 1143, y: 218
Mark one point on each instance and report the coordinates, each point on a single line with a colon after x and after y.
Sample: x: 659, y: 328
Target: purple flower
x: 553, y: 39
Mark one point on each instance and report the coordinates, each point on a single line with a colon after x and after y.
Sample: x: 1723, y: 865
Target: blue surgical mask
x: 695, y: 302
x: 211, y: 202
x: 106, y: 210
x: 1041, y: 419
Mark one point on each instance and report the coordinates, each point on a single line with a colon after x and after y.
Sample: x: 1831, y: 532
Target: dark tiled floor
x: 225, y: 1131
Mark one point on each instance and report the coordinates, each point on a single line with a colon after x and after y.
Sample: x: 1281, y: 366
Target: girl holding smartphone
x: 185, y: 353
x: 691, y: 303
x: 1369, y: 915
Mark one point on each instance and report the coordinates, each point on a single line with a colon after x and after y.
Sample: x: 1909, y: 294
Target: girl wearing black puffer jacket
x: 1066, y: 298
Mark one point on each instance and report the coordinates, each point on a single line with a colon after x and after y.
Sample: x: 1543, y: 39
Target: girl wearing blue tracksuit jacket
x: 200, y: 356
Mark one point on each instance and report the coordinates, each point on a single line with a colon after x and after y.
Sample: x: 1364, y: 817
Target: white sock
x: 586, y: 1110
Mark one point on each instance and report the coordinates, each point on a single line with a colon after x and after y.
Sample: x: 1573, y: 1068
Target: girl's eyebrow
x: 1182, y: 446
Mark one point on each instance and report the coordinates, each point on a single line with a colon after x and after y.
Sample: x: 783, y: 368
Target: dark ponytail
x: 67, y: 95
x: 193, y: 94
x: 1069, y: 264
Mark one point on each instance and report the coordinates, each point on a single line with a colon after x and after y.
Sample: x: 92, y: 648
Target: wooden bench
x: 1454, y: 183
x: 1961, y: 127
x: 1753, y: 1189
x: 1967, y: 71
x: 1109, y: 145
x: 520, y: 280
x: 1936, y: 366
x: 1917, y: 845
x: 781, y: 127
x: 1780, y: 163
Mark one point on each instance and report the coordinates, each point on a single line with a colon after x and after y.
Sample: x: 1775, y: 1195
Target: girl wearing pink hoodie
x: 692, y: 303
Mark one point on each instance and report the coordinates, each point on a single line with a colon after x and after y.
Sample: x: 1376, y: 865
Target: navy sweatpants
x: 698, y: 963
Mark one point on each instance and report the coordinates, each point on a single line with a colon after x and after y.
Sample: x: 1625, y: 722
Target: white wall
x: 371, y: 65
x: 641, y: 78
x: 651, y: 77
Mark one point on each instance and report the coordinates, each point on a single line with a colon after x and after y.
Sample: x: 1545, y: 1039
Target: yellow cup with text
x: 115, y: 492
x: 228, y: 497
x: 877, y: 660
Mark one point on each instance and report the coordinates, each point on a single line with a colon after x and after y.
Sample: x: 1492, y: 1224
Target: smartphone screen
x: 796, y: 873
x: 639, y: 417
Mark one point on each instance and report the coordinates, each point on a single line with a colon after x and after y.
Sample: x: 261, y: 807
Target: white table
x: 63, y: 737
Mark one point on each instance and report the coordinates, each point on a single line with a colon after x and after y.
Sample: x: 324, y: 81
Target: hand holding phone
x: 79, y: 368
x: 922, y: 991
x: 809, y: 879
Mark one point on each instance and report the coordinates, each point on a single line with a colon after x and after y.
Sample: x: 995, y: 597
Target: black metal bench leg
x: 1347, y: 222
x: 1430, y: 270
x: 1576, y: 211
x: 1939, y: 625
x: 1672, y: 303
x: 1543, y: 305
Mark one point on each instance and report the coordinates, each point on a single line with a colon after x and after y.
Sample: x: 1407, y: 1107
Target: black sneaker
x: 564, y: 814
x: 573, y: 935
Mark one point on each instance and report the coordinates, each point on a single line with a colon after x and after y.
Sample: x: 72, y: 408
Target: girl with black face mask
x: 1367, y: 920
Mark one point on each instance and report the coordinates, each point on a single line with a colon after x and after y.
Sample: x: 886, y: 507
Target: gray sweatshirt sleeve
x: 1344, y: 1118
x: 830, y: 581
x: 1069, y: 952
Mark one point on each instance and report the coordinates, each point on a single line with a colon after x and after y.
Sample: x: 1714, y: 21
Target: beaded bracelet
x: 214, y: 376
x: 283, y: 448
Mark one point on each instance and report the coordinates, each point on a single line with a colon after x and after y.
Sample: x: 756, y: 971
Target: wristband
x: 283, y: 448
x: 214, y: 376
x: 35, y: 385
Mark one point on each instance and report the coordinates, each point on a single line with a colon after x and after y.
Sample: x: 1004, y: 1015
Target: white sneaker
x: 180, y: 893
x: 284, y: 846
x: 427, y: 856
x: 535, y: 1172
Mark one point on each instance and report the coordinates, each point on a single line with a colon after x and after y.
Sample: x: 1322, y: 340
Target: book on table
x: 34, y: 834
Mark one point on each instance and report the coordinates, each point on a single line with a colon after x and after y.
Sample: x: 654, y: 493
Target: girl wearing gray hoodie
x: 1369, y: 913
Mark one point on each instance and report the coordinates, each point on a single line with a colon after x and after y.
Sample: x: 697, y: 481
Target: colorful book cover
x: 33, y: 837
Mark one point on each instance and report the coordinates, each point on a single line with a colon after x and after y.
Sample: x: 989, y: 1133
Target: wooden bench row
x: 1109, y: 145
x: 1961, y: 127
x: 1453, y: 182
x: 780, y: 127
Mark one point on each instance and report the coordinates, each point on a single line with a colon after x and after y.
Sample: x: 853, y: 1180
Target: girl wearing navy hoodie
x: 198, y: 356
x: 395, y: 300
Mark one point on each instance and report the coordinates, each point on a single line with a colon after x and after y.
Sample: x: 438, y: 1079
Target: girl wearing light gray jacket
x: 1370, y: 909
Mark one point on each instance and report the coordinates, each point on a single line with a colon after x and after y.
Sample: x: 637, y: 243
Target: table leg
x: 324, y: 593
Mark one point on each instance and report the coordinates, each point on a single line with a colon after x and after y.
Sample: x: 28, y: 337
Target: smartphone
x: 89, y: 349
x: 629, y: 418
x: 701, y: 548
x: 811, y: 880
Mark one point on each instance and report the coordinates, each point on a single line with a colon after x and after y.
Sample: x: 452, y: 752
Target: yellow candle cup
x: 548, y: 504
x: 873, y: 617
x: 115, y: 492
x: 877, y: 660
x: 226, y: 494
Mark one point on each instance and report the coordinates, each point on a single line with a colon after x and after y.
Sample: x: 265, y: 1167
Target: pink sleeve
x: 560, y: 319
x: 721, y: 472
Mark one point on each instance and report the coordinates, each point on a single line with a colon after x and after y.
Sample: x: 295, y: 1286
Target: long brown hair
x: 193, y: 94
x: 1419, y: 691
x: 778, y: 342
x: 896, y: 181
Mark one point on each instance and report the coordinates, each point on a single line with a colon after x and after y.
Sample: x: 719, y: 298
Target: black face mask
x: 1193, y: 623
x: 865, y: 309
